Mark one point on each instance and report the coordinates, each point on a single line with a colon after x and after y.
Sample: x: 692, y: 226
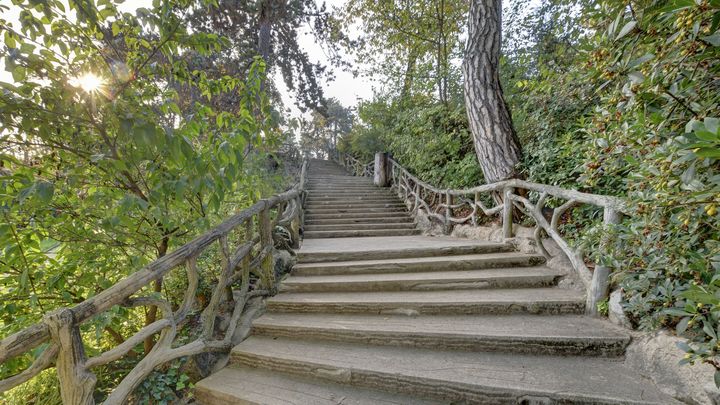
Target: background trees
x: 609, y: 97
x: 114, y: 149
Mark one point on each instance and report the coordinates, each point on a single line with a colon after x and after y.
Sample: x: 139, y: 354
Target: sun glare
x: 89, y: 82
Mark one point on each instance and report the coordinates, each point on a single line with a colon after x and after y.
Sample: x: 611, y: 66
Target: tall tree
x: 271, y: 29
x: 409, y: 44
x: 496, y: 143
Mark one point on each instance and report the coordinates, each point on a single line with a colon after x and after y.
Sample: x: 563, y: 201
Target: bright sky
x: 346, y: 88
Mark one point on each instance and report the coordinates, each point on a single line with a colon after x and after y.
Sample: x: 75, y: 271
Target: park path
x: 374, y: 313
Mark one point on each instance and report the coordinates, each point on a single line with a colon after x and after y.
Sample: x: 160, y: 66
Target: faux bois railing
x: 227, y: 257
x: 468, y: 206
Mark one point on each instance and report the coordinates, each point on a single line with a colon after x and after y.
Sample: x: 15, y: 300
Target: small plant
x: 603, y: 307
x: 165, y: 386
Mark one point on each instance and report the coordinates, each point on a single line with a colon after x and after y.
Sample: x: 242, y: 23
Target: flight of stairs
x: 412, y: 319
x: 339, y: 205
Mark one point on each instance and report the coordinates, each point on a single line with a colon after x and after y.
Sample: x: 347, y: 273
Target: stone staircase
x: 410, y: 319
x: 340, y: 206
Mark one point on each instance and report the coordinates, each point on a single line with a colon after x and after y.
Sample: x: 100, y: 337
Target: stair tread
x: 391, y: 243
x: 427, y: 276
x: 566, y: 327
x: 501, y: 296
x: 449, y: 373
x: 412, y: 260
x: 246, y: 385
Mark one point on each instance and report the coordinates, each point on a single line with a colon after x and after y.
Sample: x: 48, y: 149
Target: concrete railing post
x: 600, y: 283
x: 507, y: 213
x: 382, y: 164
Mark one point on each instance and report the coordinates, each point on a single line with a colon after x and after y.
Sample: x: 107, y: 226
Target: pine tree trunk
x: 496, y: 143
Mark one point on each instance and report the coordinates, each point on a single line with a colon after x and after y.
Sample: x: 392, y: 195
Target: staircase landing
x: 410, y: 319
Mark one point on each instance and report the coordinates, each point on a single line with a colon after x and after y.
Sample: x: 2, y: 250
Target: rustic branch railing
x: 468, y: 206
x: 242, y: 246
x: 356, y: 167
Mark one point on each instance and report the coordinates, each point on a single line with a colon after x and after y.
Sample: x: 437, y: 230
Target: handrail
x: 252, y: 254
x: 442, y: 205
x: 356, y: 167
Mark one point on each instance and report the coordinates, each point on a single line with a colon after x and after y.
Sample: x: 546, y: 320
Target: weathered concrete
x: 329, y: 250
x: 250, y: 386
x: 352, y: 233
x: 531, y: 334
x: 414, y: 264
x: 656, y: 356
x: 444, y: 319
x: 448, y: 302
x: 520, y: 277
x: 467, y: 377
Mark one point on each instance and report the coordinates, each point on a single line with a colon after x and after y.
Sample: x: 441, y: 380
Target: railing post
x: 600, y: 282
x: 381, y: 178
x: 266, y: 242
x: 507, y: 213
x: 76, y: 382
x: 448, y: 213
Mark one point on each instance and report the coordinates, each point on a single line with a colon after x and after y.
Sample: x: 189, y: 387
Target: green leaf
x: 682, y: 325
x: 713, y: 39
x: 19, y: 73
x: 708, y: 152
x: 44, y: 191
x: 626, y: 29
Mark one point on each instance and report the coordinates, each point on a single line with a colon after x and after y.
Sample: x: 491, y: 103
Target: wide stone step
x: 354, y: 233
x: 356, y: 215
x: 343, y: 198
x: 394, y: 247
x: 401, y: 225
x: 530, y: 334
x: 361, y: 204
x: 455, y: 376
x: 415, y: 264
x: 358, y: 220
x: 516, y: 277
x: 447, y: 302
x: 359, y: 210
x: 340, y: 180
x: 249, y: 385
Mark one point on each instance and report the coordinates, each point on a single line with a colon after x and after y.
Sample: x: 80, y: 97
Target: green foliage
x: 628, y: 107
x: 429, y: 138
x: 96, y: 182
x: 165, y: 386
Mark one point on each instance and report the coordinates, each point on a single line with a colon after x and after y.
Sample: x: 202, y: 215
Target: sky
x: 346, y: 88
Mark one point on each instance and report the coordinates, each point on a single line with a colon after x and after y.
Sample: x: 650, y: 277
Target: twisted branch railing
x: 242, y: 246
x: 356, y: 167
x: 468, y: 206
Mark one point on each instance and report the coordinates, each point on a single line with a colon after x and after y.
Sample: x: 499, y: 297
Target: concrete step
x: 448, y: 302
x: 394, y: 247
x: 454, y: 376
x: 354, y: 233
x: 416, y: 264
x: 356, y: 215
x: 341, y: 198
x: 360, y: 204
x: 401, y: 225
x: 249, y: 385
x: 359, y: 210
x: 358, y: 220
x: 530, y: 334
x: 520, y: 277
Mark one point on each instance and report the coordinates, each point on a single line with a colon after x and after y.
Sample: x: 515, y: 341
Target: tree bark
x: 496, y: 143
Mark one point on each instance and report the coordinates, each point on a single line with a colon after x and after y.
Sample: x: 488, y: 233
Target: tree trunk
x: 265, y: 29
x: 496, y: 143
x: 151, y: 315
